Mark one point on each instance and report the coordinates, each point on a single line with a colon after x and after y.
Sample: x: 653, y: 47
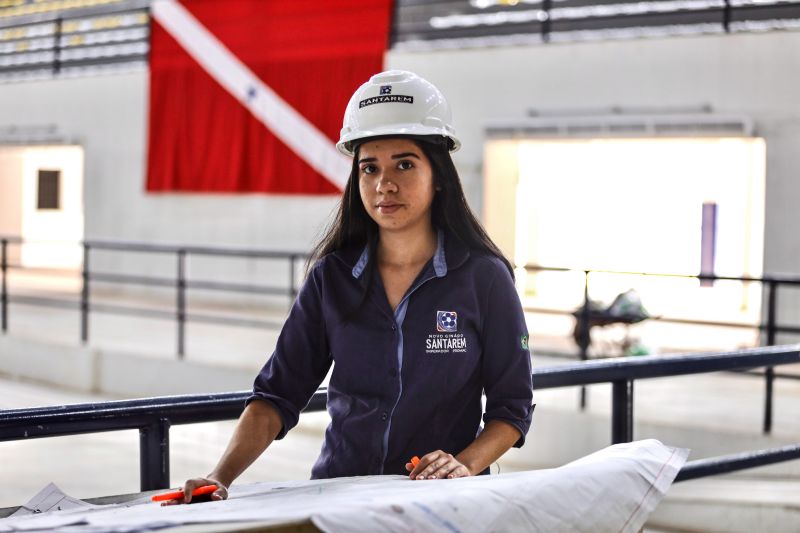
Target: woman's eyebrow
x: 395, y: 156
x: 405, y: 154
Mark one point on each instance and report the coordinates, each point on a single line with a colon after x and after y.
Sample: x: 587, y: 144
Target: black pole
x: 726, y: 17
x: 181, y: 302
x: 769, y: 375
x: 546, y: 25
x: 584, y: 331
x: 3, y: 283
x: 154, y: 455
x: 292, y: 289
x: 85, y: 295
x: 621, y: 411
x: 57, y: 47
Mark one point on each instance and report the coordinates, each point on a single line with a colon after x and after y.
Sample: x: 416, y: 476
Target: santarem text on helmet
x: 387, y: 98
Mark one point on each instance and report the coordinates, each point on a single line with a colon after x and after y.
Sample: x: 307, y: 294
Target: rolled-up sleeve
x: 506, y: 361
x: 301, y: 358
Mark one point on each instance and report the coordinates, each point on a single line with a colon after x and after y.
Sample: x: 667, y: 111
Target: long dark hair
x: 352, y: 225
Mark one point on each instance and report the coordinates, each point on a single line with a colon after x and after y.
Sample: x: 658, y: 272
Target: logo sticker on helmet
x: 386, y: 89
x: 387, y: 99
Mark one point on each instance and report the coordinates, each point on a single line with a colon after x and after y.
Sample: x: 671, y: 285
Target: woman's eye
x: 368, y: 169
x: 405, y: 165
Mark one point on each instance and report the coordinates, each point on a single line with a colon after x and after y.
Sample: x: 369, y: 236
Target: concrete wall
x: 747, y: 74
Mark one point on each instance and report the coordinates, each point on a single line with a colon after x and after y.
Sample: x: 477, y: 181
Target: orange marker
x: 414, y: 461
x: 178, y: 494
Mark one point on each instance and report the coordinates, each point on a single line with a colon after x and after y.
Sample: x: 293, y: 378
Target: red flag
x: 248, y: 95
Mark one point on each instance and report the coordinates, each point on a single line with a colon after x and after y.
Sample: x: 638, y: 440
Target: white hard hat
x: 396, y: 102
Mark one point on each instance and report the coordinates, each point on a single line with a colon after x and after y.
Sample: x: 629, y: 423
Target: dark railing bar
x: 143, y: 312
x: 238, y: 287
x: 154, y: 455
x: 621, y: 411
x: 610, y: 370
x: 757, y: 374
x: 85, y: 294
x: 42, y: 271
x: 153, y: 417
x: 43, y: 301
x: 180, y: 303
x: 57, y: 45
x: 3, y: 285
x: 788, y: 280
x: 194, y: 250
x: 233, y: 321
x: 133, y: 279
x: 734, y: 462
x: 585, y: 338
x: 196, y: 284
x: 159, y: 402
x: 186, y: 408
x: 79, y: 419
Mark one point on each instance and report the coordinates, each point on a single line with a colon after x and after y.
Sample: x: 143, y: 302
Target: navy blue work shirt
x: 404, y: 382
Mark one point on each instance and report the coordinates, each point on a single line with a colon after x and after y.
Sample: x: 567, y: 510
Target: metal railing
x: 179, y: 283
x: 65, y: 40
x: 770, y: 325
x: 182, y: 285
x: 154, y: 416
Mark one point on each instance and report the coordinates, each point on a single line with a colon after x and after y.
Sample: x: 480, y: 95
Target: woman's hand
x: 438, y: 465
x: 220, y: 494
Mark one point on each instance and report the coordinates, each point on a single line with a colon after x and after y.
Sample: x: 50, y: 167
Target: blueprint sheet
x: 614, y: 489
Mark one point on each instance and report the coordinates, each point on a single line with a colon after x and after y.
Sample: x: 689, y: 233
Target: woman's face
x: 395, y: 180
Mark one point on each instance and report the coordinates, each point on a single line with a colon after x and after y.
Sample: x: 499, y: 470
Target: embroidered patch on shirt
x: 446, y: 321
x: 523, y: 342
x: 447, y: 340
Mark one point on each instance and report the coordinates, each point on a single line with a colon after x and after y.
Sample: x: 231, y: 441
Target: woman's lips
x: 387, y: 209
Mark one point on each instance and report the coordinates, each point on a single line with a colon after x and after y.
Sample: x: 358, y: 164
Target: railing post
x: 3, y: 285
x: 769, y: 374
x: 57, y: 46
x: 292, y: 289
x: 621, y: 411
x: 585, y: 331
x: 85, y: 295
x: 154, y: 455
x: 181, y: 302
x: 546, y: 7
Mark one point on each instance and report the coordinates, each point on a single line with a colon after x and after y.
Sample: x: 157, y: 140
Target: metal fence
x: 770, y: 325
x: 180, y: 284
x: 154, y: 416
x: 51, y: 39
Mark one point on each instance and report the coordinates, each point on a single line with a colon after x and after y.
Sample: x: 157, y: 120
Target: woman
x: 413, y: 303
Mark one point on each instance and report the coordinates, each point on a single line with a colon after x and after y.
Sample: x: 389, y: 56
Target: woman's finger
x: 450, y: 466
x: 440, y: 467
x: 221, y: 493
x: 459, y: 471
x: 423, y: 469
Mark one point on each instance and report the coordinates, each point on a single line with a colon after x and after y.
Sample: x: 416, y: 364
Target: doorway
x: 41, y: 201
x: 657, y: 205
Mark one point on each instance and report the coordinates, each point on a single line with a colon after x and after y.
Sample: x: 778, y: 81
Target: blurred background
x: 166, y: 165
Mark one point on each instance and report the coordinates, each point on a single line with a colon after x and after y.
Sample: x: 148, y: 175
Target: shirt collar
x: 439, y: 258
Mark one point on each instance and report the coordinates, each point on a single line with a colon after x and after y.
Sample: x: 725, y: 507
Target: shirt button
x: 384, y: 415
x: 394, y: 328
x: 393, y: 372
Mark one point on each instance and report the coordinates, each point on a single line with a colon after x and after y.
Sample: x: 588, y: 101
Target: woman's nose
x: 386, y: 184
